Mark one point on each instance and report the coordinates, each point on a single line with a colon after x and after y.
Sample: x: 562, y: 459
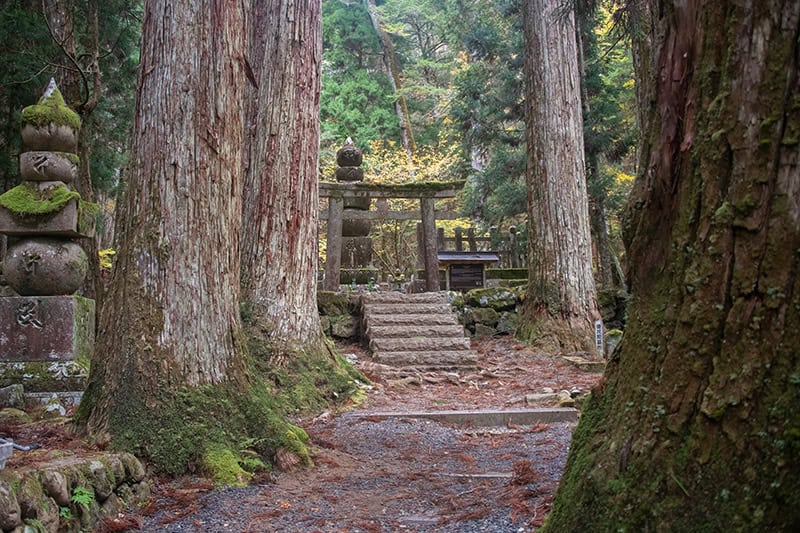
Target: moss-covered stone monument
x: 46, y: 331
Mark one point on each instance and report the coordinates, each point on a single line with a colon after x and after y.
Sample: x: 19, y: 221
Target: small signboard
x: 598, y: 336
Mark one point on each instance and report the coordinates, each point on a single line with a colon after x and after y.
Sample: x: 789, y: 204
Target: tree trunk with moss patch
x: 171, y: 321
x: 559, y: 309
x: 279, y: 247
x: 697, y: 427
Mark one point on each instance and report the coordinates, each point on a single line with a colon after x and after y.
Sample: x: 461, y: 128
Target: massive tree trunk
x: 169, y: 347
x: 559, y: 309
x: 697, y: 427
x: 279, y: 247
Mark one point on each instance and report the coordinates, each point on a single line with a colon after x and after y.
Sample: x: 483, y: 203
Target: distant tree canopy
x: 32, y: 55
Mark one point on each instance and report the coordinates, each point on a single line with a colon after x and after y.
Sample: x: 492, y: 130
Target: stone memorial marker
x: 46, y: 332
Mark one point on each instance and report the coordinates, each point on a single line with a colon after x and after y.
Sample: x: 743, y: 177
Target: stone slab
x: 428, y: 359
x: 419, y: 344
x: 65, y: 223
x: 415, y: 330
x: 46, y: 328
x: 46, y: 342
x: 412, y: 320
x: 486, y: 418
x: 587, y: 365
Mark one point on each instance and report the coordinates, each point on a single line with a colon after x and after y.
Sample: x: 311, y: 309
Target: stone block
x: 499, y: 299
x: 485, y: 315
x: 69, y: 222
x: 355, y: 228
x: 508, y: 323
x: 360, y: 202
x: 46, y: 342
x: 362, y: 276
x: 12, y: 396
x: 356, y: 252
x: 47, y: 166
x: 344, y: 326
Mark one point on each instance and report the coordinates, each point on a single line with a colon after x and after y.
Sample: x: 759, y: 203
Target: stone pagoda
x: 356, y: 264
x: 47, y: 331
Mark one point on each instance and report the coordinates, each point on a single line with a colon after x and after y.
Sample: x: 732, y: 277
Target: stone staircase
x: 415, y: 330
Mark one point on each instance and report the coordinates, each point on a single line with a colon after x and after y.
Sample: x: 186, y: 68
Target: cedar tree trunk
x: 559, y: 309
x: 171, y: 321
x: 697, y: 426
x: 281, y: 198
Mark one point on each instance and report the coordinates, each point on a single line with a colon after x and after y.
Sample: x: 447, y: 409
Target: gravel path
x: 403, y: 474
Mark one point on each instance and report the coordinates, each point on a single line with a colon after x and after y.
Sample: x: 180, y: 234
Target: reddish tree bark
x: 279, y: 254
x: 559, y: 309
x: 172, y: 317
x: 697, y: 427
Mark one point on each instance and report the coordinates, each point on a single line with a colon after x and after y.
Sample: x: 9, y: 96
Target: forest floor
x: 384, y: 474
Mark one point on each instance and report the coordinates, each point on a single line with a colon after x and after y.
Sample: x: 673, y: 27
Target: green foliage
x: 31, y: 57
x: 65, y: 513
x: 35, y: 524
x: 82, y: 496
x: 357, y: 99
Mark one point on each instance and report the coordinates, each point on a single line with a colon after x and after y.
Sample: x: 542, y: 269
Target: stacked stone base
x: 46, y: 342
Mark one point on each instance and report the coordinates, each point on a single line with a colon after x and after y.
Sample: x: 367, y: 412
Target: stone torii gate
x: 426, y: 192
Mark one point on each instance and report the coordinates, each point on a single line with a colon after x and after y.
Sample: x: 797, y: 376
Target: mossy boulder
x: 497, y: 298
x: 333, y: 303
x: 344, y: 326
x: 484, y: 315
x: 508, y: 323
x: 482, y: 330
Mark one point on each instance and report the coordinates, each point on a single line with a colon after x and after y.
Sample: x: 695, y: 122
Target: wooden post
x: 440, y: 242
x: 514, y: 246
x: 459, y: 239
x: 420, y: 247
x: 333, y: 258
x: 473, y: 246
x: 429, y: 237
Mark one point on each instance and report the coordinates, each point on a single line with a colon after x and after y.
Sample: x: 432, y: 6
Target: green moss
x: 29, y: 202
x: 497, y: 298
x: 296, y: 441
x: 724, y: 215
x: 51, y: 109
x: 73, y: 158
x: 223, y: 466
x: 87, y: 216
x: 55, y: 376
x: 191, y: 426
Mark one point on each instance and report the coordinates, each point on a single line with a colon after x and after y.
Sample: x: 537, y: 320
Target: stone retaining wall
x: 70, y: 494
x: 492, y: 311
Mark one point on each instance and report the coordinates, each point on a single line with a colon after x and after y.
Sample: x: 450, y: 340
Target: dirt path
x: 401, y: 474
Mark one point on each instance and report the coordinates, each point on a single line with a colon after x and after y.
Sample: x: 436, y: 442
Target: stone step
x: 412, y: 320
x: 418, y: 344
x: 483, y: 418
x: 399, y: 297
x: 406, y: 309
x: 417, y: 330
x: 428, y: 359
